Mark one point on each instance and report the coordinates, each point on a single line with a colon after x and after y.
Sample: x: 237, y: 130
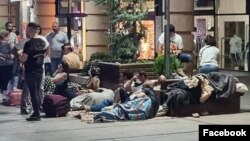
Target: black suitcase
x: 55, y: 105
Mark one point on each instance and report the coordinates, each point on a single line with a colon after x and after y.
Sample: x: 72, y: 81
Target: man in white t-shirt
x: 235, y: 51
x: 176, y: 45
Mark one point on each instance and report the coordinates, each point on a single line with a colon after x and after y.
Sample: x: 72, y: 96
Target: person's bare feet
x: 86, y: 108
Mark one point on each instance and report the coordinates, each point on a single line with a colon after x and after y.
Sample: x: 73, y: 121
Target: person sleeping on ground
x: 131, y: 88
x: 199, y: 88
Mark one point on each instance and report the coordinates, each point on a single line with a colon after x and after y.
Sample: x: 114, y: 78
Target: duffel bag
x: 55, y: 105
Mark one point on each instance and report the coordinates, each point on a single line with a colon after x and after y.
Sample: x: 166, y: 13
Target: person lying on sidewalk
x: 144, y: 105
x: 131, y: 89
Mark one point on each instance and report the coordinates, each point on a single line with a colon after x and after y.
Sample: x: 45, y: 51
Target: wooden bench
x: 212, y: 106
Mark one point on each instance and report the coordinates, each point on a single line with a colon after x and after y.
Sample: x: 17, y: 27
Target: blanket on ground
x: 139, y: 108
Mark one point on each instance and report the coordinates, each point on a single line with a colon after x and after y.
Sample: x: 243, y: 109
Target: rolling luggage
x: 55, y: 105
x: 14, y: 99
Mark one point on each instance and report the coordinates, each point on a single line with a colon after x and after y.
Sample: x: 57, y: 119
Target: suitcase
x: 55, y: 105
x: 14, y: 98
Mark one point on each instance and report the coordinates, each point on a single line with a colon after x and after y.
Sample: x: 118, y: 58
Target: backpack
x: 55, y: 105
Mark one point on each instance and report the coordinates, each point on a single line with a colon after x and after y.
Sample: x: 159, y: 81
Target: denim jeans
x: 208, y: 68
x: 98, y: 107
x: 54, y: 64
x: 33, y: 81
x: 12, y: 84
x: 184, y: 57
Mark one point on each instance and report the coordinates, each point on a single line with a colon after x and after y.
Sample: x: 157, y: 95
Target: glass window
x: 69, y: 6
x: 231, y: 6
x: 233, y: 37
x: 150, y: 5
x: 203, y: 25
x: 203, y: 4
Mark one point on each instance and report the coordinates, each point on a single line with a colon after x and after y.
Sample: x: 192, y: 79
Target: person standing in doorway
x: 33, y: 57
x: 56, y: 39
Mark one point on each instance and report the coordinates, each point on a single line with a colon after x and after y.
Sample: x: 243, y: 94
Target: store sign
x: 201, y: 28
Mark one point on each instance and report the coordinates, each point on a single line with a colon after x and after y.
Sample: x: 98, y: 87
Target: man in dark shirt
x: 32, y: 57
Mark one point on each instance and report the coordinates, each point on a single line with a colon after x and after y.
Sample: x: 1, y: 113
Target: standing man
x: 56, y: 39
x: 176, y: 45
x: 12, y: 37
x: 32, y: 57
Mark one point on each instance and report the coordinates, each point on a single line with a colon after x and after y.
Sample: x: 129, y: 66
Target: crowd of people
x: 47, y: 60
x: 28, y: 59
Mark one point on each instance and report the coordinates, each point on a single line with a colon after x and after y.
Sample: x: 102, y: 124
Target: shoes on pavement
x: 24, y: 112
x: 162, y: 112
x: 195, y: 115
x: 34, y: 117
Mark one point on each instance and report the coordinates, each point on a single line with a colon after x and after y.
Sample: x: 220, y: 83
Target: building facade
x: 220, y: 18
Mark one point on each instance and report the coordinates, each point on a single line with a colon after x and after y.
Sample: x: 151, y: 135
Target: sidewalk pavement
x: 14, y: 127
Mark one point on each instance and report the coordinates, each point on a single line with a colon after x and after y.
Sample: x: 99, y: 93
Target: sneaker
x: 195, y: 115
x: 34, y: 117
x: 162, y: 112
x: 24, y: 112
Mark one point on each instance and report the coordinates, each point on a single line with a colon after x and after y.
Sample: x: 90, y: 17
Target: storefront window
x: 69, y: 7
x: 233, y: 37
x: 229, y: 23
x: 150, y: 5
x: 147, y: 44
x: 71, y: 15
x: 231, y: 6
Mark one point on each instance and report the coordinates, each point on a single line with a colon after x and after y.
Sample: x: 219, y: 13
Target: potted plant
x: 159, y: 64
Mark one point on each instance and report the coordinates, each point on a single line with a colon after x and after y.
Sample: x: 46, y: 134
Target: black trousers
x: 33, y: 81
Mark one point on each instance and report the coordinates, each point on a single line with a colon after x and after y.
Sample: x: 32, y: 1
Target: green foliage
x: 101, y: 56
x: 2, y: 26
x: 159, y: 64
x: 127, y: 29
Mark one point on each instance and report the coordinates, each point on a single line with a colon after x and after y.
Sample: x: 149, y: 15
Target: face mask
x: 137, y: 82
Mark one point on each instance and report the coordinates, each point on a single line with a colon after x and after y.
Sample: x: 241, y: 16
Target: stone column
x: 44, y: 12
x: 181, y: 16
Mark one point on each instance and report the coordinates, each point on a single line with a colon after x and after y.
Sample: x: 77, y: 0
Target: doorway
x: 234, y: 41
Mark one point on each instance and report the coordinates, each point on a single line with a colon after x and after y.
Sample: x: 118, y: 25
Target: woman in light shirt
x: 208, y: 56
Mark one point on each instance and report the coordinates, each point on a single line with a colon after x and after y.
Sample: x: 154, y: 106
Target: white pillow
x: 241, y: 88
